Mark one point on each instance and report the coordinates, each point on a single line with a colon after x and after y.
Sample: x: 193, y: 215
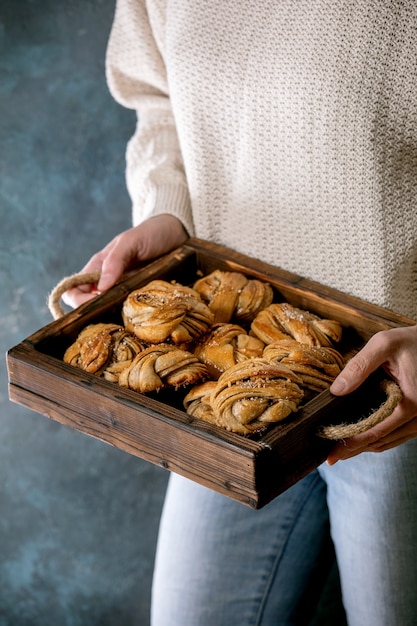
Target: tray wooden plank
x: 250, y: 470
x: 146, y: 428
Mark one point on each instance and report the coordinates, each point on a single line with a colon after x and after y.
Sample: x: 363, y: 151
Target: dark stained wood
x: 250, y: 470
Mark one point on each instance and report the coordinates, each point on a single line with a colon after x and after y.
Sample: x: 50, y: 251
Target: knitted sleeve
x: 136, y: 77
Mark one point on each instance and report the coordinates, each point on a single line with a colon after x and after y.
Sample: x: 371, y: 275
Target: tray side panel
x: 139, y: 430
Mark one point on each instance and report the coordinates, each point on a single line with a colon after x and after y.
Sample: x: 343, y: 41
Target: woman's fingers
x: 154, y: 237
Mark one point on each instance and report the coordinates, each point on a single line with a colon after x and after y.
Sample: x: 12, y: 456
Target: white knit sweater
x: 283, y: 129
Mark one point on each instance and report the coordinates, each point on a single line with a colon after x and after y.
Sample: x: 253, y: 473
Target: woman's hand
x: 154, y: 237
x: 396, y: 351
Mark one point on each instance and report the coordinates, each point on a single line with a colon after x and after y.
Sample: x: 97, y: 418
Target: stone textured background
x: 78, y: 518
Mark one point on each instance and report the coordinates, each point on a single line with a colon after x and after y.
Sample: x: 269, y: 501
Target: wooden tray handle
x: 343, y: 431
x: 54, y: 298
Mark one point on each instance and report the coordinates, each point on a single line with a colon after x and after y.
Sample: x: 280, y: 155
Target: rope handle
x: 54, y: 298
x: 343, y: 431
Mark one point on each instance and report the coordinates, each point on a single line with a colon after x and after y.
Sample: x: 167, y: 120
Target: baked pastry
x: 284, y: 321
x: 232, y: 296
x: 161, y: 310
x: 317, y: 366
x: 162, y: 365
x: 103, y: 349
x: 225, y: 345
x: 93, y: 347
x: 197, y: 401
x: 125, y: 347
x: 254, y: 393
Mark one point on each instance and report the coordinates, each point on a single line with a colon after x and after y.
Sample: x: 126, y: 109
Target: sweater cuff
x: 173, y: 199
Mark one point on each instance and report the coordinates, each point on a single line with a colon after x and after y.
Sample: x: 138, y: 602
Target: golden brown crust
x: 162, y: 366
x: 254, y: 393
x: 197, y: 401
x: 93, y: 347
x: 160, y: 311
x: 230, y: 295
x: 125, y: 347
x: 317, y: 366
x: 103, y: 349
x: 225, y: 345
x: 284, y: 321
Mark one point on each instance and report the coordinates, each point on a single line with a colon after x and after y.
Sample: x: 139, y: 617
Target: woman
x: 287, y: 131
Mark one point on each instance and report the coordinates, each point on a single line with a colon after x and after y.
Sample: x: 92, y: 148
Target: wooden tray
x: 156, y: 428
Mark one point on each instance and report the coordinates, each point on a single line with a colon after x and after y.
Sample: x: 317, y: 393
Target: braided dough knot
x: 103, y: 349
x: 253, y: 393
x: 125, y: 347
x: 284, y: 321
x: 232, y: 295
x: 197, y: 401
x: 226, y: 345
x: 317, y: 366
x: 93, y: 347
x: 161, y: 310
x: 160, y: 366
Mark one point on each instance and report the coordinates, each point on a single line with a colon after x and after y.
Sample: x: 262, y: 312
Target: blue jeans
x: 220, y: 563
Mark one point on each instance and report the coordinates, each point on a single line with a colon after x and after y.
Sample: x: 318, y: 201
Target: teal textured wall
x: 78, y: 518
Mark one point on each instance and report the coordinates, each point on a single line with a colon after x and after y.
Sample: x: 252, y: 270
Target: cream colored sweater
x: 286, y: 130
